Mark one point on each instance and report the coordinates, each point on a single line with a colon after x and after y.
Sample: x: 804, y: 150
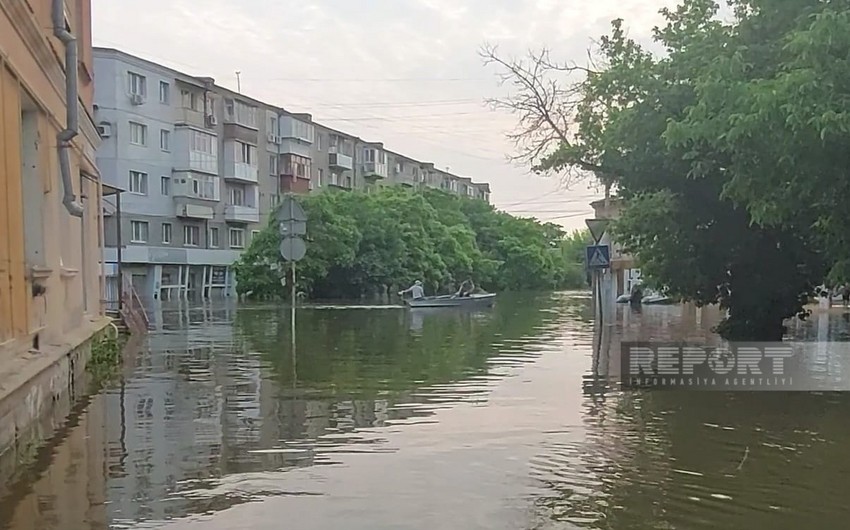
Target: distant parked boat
x: 450, y: 300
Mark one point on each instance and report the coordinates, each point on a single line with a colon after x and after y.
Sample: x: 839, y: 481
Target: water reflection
x: 498, y: 419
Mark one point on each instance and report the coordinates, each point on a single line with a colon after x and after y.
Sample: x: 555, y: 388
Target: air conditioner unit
x: 137, y: 99
x: 211, y: 120
x: 104, y: 130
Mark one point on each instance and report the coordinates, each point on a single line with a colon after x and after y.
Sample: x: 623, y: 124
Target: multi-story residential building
x: 202, y: 168
x: 50, y: 216
x: 187, y: 153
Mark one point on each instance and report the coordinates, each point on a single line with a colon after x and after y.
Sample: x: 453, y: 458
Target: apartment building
x: 49, y: 184
x: 187, y: 154
x: 201, y: 169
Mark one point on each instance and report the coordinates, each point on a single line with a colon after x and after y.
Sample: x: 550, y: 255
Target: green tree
x: 362, y: 244
x: 654, y: 129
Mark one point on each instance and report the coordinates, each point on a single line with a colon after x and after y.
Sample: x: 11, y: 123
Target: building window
x: 273, y: 164
x: 205, y: 187
x: 246, y: 154
x: 274, y: 200
x: 297, y: 165
x: 237, y: 238
x: 165, y: 140
x: 164, y: 93
x: 213, y: 236
x: 237, y: 196
x: 138, y: 133
x: 138, y: 182
x: 240, y: 113
x: 137, y: 84
x: 191, y: 100
x: 320, y: 177
x: 166, y: 233
x: 204, y: 143
x: 165, y: 186
x: 254, y: 233
x: 318, y: 141
x: 191, y: 235
x: 138, y: 231
x: 273, y: 125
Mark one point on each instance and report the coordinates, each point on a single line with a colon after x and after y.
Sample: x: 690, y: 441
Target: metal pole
x: 293, y: 307
x: 119, y: 252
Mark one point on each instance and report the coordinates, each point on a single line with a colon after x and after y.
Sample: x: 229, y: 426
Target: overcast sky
x: 405, y: 72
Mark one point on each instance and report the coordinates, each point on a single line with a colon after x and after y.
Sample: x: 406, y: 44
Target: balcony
x: 241, y: 172
x: 375, y: 170
x: 193, y: 211
x: 339, y: 160
x: 188, y: 116
x: 290, y: 184
x: 241, y: 214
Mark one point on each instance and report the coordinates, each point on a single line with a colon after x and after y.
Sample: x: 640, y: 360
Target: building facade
x: 203, y: 168
x: 50, y: 190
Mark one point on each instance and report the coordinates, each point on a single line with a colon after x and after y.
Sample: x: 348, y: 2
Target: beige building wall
x: 42, y: 246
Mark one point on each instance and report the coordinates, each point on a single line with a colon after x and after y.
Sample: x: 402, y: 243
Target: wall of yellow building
x: 67, y: 262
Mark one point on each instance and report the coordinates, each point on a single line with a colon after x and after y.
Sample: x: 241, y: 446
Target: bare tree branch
x: 544, y: 102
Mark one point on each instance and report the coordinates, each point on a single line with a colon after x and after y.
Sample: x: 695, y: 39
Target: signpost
x: 598, y: 259
x: 293, y: 225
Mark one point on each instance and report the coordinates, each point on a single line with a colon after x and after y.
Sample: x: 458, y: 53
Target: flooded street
x: 390, y: 419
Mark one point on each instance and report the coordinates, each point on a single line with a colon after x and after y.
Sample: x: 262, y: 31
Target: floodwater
x: 390, y: 419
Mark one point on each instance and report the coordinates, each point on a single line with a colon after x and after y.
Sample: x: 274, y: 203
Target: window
x: 205, y: 187
x: 320, y: 177
x: 318, y: 142
x: 334, y: 179
x: 237, y: 196
x: 137, y: 84
x: 297, y: 165
x: 191, y: 235
x: 237, y: 238
x: 274, y: 200
x: 164, y: 93
x: 165, y: 186
x: 246, y: 154
x: 191, y: 100
x: 273, y: 125
x: 138, y: 182
x: 254, y: 233
x: 204, y: 143
x: 273, y: 164
x: 165, y: 140
x: 138, y: 133
x: 139, y: 231
x: 166, y: 233
x: 240, y: 113
x: 213, y: 236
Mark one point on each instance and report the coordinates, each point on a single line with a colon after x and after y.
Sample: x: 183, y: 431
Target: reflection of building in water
x: 163, y: 428
x: 73, y: 488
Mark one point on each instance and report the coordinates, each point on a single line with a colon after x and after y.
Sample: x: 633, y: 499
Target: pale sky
x: 405, y: 72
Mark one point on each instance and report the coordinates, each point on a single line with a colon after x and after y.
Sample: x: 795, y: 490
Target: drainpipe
x: 71, y: 98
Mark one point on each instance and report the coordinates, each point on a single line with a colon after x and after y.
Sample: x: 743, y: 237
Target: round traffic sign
x: 293, y: 248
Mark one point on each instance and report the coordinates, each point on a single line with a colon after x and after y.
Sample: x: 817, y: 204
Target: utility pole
x: 238, y: 81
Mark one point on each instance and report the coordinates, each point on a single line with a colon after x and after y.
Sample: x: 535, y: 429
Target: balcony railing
x: 340, y: 161
x: 241, y: 214
x: 242, y: 172
x: 375, y: 170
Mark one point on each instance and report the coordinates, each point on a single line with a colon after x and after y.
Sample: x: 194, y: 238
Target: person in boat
x: 416, y: 291
x: 466, y: 288
x: 636, y: 295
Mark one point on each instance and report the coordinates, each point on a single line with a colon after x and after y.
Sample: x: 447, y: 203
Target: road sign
x: 597, y: 228
x: 598, y: 257
x: 292, y: 227
x: 293, y: 248
x: 290, y: 210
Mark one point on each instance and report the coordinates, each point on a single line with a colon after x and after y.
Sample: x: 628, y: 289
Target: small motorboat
x: 452, y: 300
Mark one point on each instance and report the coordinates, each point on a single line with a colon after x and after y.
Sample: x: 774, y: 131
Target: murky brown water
x: 386, y: 419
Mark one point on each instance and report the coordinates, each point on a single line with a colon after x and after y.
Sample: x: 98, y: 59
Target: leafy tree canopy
x: 729, y: 148
x: 368, y: 243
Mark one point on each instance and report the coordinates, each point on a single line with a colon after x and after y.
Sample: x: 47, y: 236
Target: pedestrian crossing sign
x: 598, y: 257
